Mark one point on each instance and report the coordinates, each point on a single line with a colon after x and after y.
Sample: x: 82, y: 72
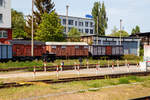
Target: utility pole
x: 97, y: 29
x: 32, y: 30
x: 120, y: 29
x: 67, y: 18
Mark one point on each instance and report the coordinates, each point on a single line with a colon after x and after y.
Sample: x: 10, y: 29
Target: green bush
x: 124, y: 80
x: 131, y: 57
x: 135, y: 78
x: 94, y: 85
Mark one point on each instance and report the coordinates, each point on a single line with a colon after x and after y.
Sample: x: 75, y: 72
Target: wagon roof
x: 66, y: 43
x: 26, y: 42
x: 3, y: 44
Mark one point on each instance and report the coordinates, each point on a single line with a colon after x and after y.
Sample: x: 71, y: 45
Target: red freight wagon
x: 22, y: 49
x: 68, y: 49
x: 108, y: 50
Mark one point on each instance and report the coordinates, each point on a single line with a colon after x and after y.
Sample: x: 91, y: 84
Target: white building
x: 5, y: 20
x: 84, y: 25
x: 5, y: 14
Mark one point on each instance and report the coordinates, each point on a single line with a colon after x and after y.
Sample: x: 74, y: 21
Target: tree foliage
x: 18, y: 24
x: 117, y: 34
x: 42, y: 6
x: 74, y: 35
x: 50, y: 29
x: 100, y: 17
x: 135, y: 30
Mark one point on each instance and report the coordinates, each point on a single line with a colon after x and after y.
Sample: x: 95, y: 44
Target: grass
x: 39, y: 89
x: 29, y: 64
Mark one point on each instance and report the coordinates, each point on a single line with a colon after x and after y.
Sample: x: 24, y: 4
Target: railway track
x: 65, y: 80
x: 143, y: 98
x: 9, y: 85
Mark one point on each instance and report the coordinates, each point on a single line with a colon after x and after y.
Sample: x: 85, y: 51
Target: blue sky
x: 132, y: 12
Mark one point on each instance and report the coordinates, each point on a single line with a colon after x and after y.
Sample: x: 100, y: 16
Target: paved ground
x: 94, y: 71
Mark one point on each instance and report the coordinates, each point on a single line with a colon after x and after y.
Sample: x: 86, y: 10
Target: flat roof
x: 66, y: 43
x: 78, y: 17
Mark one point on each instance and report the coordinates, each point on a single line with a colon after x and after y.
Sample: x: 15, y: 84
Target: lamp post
x: 97, y: 28
x: 32, y: 30
x: 120, y: 29
x: 67, y: 18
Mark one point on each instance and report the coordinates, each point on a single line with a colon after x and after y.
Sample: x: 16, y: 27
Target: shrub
x: 131, y: 57
x: 135, y: 78
x: 124, y: 80
x: 94, y: 85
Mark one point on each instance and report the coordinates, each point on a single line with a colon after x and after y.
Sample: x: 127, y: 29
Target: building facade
x: 84, y: 25
x: 131, y: 45
x: 145, y: 38
x: 5, y: 20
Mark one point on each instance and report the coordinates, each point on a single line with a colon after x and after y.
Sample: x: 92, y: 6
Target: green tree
x: 74, y: 35
x: 100, y: 17
x: 50, y: 28
x: 122, y: 32
x: 18, y: 24
x: 135, y: 30
x: 42, y: 6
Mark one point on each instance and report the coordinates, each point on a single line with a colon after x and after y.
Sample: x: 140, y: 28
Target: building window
x: 1, y: 3
x: 76, y: 23
x: 86, y: 24
x: 91, y: 24
x: 63, y: 47
x: 64, y: 21
x: 80, y: 23
x: 70, y: 22
x: 64, y: 29
x: 3, y: 34
x: 81, y: 30
x: 86, y: 30
x: 1, y: 18
x: 91, y: 31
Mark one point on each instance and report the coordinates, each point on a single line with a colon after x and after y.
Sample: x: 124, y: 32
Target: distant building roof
x: 142, y: 34
x: 66, y: 43
x: 108, y: 36
x: 26, y: 42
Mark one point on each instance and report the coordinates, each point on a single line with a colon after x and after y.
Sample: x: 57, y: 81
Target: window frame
x: 1, y: 3
x: 91, y: 31
x: 64, y: 21
x: 87, y: 31
x: 2, y: 34
x: 86, y: 24
x: 1, y: 18
x: 70, y: 22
